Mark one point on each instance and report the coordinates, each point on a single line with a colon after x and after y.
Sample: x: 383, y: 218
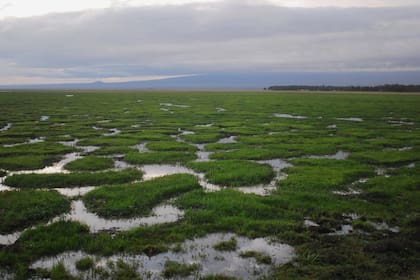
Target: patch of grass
x: 59, y: 272
x: 229, y: 245
x: 234, y: 173
x: 323, y: 175
x: 173, y: 269
x: 20, y: 209
x: 73, y: 179
x: 159, y: 157
x: 202, y: 138
x: 109, y: 150
x: 84, y: 264
x: 27, y: 162
x: 123, y: 271
x: 42, y: 148
x: 90, y: 163
x: 170, y: 146
x: 137, y: 199
x: 261, y: 258
x: 388, y: 157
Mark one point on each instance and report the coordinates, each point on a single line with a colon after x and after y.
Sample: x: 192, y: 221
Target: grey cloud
x: 196, y: 38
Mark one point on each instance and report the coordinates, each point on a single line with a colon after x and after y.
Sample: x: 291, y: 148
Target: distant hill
x: 380, y: 88
x: 249, y: 80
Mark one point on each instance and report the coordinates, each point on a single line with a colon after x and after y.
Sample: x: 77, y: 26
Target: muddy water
x: 174, y: 105
x: 199, y: 251
x: 351, y: 119
x: 340, y: 155
x: 227, y: 140
x: 164, y: 213
x: 5, y: 128
x: 112, y: 132
x: 265, y: 189
x: 44, y: 118
x: 8, y: 239
x: 30, y: 141
x: 287, y: 116
x: 202, y: 155
x: 57, y: 167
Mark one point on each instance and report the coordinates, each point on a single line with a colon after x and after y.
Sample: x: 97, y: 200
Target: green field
x: 350, y: 217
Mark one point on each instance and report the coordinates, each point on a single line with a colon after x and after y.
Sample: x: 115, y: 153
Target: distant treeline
x: 384, y: 88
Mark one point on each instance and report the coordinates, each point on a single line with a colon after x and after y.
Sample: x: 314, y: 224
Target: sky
x: 61, y: 41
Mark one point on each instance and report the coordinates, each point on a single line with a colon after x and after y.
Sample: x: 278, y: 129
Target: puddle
x: 287, y: 116
x: 57, y: 167
x: 204, y: 125
x: 332, y: 126
x: 158, y: 170
x: 385, y: 226
x: 185, y: 132
x: 112, y: 131
x: 165, y: 109
x: 350, y: 191
x: 74, y: 192
x: 97, y: 128
x: 228, y: 140
x: 383, y: 172
x: 400, y: 123
x: 199, y: 251
x: 9, y: 239
x: 141, y: 147
x: 266, y: 189
x: 30, y: 141
x: 174, y: 105
x: 44, y: 118
x: 412, y: 165
x: 6, y: 127
x: 202, y: 155
x: 121, y: 165
x: 5, y: 275
x: 139, y: 101
x: 340, y: 155
x: 220, y: 109
x: 103, y: 121
x: 164, y: 213
x: 352, y: 119
x: 344, y: 230
x: 309, y: 223
x: 69, y: 95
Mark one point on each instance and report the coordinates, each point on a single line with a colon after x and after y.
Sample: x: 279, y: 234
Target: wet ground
x: 199, y: 251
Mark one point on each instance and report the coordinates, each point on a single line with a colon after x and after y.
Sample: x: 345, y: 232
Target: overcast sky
x: 57, y: 41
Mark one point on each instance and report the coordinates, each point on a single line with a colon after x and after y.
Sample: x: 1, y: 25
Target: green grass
x: 387, y: 157
x: 73, y: 179
x: 234, y: 173
x: 261, y: 258
x: 137, y: 199
x: 306, y: 193
x: 84, y: 264
x: 27, y: 162
x: 90, y: 163
x: 170, y: 146
x: 229, y: 245
x: 173, y: 269
x: 20, y: 209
